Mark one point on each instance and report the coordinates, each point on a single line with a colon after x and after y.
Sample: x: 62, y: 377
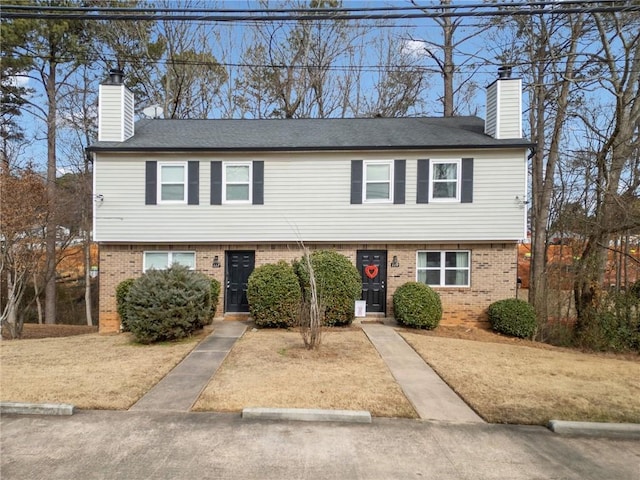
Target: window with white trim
x: 439, y: 268
x: 172, y: 182
x: 378, y: 181
x: 445, y: 180
x: 162, y: 260
x: 236, y: 182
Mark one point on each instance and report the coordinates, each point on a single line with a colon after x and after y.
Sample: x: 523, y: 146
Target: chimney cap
x: 504, y: 71
x: 115, y: 76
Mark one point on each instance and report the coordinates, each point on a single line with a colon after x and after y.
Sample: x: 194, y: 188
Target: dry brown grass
x: 520, y: 384
x: 88, y: 371
x: 271, y: 368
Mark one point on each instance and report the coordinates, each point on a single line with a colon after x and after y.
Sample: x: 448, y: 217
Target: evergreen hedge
x: 274, y: 295
x: 168, y: 304
x: 122, y: 290
x: 417, y: 305
x: 338, y: 282
x: 514, y: 317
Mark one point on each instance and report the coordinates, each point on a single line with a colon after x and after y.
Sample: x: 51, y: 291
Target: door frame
x: 382, y: 272
x: 227, y: 271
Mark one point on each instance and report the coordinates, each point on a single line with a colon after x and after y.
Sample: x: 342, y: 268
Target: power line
x: 54, y: 8
x: 211, y: 15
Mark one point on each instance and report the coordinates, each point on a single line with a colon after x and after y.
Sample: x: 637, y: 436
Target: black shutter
x: 151, y: 183
x: 356, y: 181
x: 422, y: 195
x: 258, y: 183
x: 193, y: 192
x: 399, y: 180
x: 216, y: 183
x: 466, y: 195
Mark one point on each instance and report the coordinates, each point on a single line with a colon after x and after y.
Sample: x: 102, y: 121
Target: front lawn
x: 527, y: 383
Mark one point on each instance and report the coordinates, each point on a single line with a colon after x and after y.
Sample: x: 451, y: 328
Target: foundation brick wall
x: 493, y: 273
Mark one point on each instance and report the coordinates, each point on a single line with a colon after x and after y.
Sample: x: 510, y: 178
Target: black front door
x: 238, y: 266
x: 372, y: 265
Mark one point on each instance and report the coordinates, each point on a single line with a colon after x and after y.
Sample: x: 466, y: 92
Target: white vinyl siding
x: 504, y: 109
x: 307, y: 197
x: 162, y: 260
x: 116, y: 104
x: 444, y: 268
x: 377, y: 183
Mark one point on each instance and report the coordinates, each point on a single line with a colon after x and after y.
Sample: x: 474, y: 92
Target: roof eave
x: 123, y: 148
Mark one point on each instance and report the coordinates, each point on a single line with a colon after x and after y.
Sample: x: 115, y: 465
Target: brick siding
x: 493, y: 273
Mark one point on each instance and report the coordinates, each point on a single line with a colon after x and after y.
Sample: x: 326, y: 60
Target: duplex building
x: 434, y: 200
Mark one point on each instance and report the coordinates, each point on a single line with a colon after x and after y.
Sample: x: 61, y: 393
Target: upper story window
x: 445, y: 181
x: 378, y: 181
x: 163, y: 260
x: 236, y: 182
x: 444, y: 268
x: 172, y: 184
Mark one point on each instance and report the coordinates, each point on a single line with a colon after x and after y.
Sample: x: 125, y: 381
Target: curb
x: 626, y: 430
x: 306, y: 415
x: 36, y: 408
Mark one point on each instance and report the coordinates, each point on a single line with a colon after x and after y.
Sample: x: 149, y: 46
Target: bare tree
x: 55, y: 49
x: 450, y: 59
x: 616, y: 193
x: 548, y: 45
x: 311, y: 311
x: 291, y: 71
x: 23, y: 195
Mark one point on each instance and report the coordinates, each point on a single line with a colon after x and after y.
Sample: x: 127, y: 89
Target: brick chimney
x: 504, y: 106
x: 115, y: 109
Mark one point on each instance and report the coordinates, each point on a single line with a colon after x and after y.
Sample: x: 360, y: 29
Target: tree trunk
x: 448, y: 67
x: 87, y: 277
x: 36, y: 294
x: 50, y: 234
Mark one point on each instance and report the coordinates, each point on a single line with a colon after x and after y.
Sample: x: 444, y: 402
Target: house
x: 437, y: 200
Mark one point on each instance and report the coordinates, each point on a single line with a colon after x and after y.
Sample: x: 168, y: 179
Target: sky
x: 410, y: 35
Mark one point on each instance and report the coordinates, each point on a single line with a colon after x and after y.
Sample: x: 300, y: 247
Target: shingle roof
x: 308, y: 134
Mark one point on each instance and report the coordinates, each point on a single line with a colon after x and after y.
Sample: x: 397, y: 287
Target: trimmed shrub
x: 168, y: 304
x: 274, y: 295
x: 339, y: 285
x: 417, y: 305
x: 513, y: 317
x: 215, y: 294
x: 122, y: 290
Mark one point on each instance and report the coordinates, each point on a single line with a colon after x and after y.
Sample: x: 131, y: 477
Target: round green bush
x: 513, y: 317
x: 338, y: 282
x: 274, y: 295
x: 417, y: 305
x: 168, y: 304
x: 122, y: 290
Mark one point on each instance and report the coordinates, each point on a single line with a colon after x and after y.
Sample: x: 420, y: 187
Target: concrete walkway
x: 431, y: 397
x: 179, y: 390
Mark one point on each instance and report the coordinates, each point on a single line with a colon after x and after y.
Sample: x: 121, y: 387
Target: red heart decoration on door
x: 371, y: 271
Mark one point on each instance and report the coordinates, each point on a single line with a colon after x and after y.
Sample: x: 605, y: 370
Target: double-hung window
x: 444, y: 268
x: 236, y: 182
x: 172, y: 187
x: 163, y: 260
x: 378, y: 181
x: 445, y: 181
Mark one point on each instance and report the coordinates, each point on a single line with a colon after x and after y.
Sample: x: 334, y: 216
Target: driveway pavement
x: 178, y: 445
